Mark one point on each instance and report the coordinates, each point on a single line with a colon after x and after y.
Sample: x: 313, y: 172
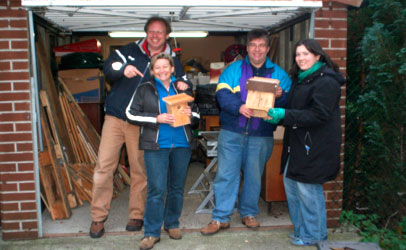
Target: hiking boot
x: 250, y: 222
x: 148, y: 242
x: 174, y: 233
x: 96, y: 229
x: 134, y: 225
x: 213, y: 227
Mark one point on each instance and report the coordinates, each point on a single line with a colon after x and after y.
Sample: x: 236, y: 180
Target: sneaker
x: 250, y: 222
x: 148, y: 242
x: 293, y: 236
x: 213, y: 227
x: 96, y: 229
x: 174, y: 233
x: 300, y: 242
x: 134, y: 225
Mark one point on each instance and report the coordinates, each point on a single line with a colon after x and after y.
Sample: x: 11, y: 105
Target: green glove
x: 276, y: 115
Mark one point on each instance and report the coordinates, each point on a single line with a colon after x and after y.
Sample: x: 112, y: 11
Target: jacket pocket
x: 307, y: 142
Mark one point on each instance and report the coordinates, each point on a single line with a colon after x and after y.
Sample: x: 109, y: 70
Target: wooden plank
x: 50, y: 176
x: 66, y: 179
x: 47, y: 83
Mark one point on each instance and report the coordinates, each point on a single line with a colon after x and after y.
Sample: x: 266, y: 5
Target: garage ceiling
x: 206, y: 15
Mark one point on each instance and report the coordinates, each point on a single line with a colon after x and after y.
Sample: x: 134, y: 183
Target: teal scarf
x: 303, y: 74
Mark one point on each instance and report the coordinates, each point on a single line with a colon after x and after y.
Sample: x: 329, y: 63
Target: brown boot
x: 213, y: 227
x: 148, y: 242
x: 174, y: 233
x: 96, y: 229
x: 134, y: 225
x: 250, y: 222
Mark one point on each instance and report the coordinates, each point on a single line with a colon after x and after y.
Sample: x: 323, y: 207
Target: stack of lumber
x: 70, y: 145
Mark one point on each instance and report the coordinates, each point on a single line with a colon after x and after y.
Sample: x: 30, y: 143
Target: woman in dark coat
x: 312, y: 139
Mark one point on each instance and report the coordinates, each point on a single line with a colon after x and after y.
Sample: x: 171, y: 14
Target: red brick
x: 20, y: 216
x: 20, y: 235
x: 7, y: 148
x: 19, y: 44
x: 333, y: 223
x: 323, y: 13
x: 335, y: 53
x: 28, y: 205
x: 4, y: 45
x: 18, y: 197
x: 5, y: 86
x: 8, y: 55
x: 24, y: 147
x: 10, y: 226
x: 14, y: 75
x: 13, y: 137
x: 333, y: 213
x: 27, y: 187
x: 15, y: 34
x: 25, y: 166
x: 21, y: 86
x: 333, y: 185
x: 20, y: 65
x: 338, y: 43
x: 323, y: 33
x: 4, y: 127
x: 18, y: 177
x: 3, y: 23
x: 334, y: 204
x: 15, y: 116
x: 4, y: 66
x: 6, y: 107
x: 16, y: 157
x: 8, y: 187
x: 30, y: 225
x: 334, y: 196
x: 15, y: 3
x: 18, y: 23
x: 324, y: 43
x: 14, y: 13
x: 23, y: 127
x: 8, y: 206
x: 8, y: 167
x: 22, y: 106
x: 318, y: 23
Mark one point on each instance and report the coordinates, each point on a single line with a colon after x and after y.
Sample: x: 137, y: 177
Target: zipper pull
x: 307, y: 149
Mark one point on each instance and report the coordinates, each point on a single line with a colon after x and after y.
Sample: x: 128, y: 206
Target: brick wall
x: 17, y: 187
x: 331, y: 32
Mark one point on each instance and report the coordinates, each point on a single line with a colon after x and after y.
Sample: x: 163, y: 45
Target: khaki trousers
x: 115, y: 133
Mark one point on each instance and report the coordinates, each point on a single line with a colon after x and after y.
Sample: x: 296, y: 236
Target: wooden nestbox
x: 175, y: 105
x: 261, y: 95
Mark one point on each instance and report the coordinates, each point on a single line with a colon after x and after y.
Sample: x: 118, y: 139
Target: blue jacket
x: 229, y: 98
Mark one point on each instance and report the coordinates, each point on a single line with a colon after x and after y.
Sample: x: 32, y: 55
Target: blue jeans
x: 239, y: 152
x: 307, y: 209
x: 166, y: 174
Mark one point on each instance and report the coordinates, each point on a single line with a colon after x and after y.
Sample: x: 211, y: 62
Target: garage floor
x: 80, y: 220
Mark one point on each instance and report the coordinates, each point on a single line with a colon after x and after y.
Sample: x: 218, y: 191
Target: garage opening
x: 67, y: 23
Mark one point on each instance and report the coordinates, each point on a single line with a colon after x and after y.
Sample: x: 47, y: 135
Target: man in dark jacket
x: 126, y: 68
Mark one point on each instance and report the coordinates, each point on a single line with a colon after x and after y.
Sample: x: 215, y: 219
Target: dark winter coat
x: 135, y: 54
x: 143, y: 109
x: 312, y: 122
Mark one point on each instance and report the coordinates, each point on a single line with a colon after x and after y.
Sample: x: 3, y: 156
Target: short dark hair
x: 313, y: 47
x: 258, y: 33
x: 158, y: 19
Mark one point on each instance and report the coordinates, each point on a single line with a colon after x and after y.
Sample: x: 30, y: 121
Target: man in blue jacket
x: 245, y: 143
x: 126, y: 68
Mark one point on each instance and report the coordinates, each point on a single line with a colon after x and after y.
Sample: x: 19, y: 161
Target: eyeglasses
x: 260, y: 46
x: 158, y: 32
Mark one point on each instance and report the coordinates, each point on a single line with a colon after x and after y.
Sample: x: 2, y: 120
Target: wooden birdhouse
x: 261, y: 95
x: 175, y: 105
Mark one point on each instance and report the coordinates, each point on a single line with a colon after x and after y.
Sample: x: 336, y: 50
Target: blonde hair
x: 161, y: 56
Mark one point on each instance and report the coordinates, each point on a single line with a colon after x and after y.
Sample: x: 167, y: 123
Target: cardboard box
x: 86, y: 85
